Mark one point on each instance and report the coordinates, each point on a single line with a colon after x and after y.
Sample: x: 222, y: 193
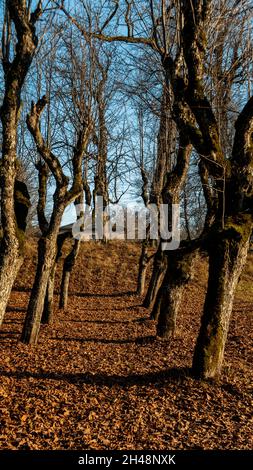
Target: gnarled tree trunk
x: 158, y: 271
x: 227, y: 256
x: 62, y: 197
x: 178, y: 274
x: 47, y: 252
x: 15, y: 71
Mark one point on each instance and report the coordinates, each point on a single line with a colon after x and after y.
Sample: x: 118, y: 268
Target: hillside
x: 99, y: 380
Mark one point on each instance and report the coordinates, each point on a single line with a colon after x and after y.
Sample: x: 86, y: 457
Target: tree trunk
x: 10, y: 263
x: 178, y: 274
x: 12, y: 248
x: 46, y: 259
x: 64, y: 289
x: 143, y: 266
x: 227, y: 256
x: 67, y: 269
x: 155, y: 312
x: 48, y: 311
x: 159, y: 268
x: 10, y: 254
x: 15, y: 71
x: 169, y: 304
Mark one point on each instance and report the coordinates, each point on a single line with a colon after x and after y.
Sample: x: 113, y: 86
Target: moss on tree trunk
x: 227, y: 256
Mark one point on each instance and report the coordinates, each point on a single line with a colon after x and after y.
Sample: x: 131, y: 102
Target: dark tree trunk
x: 67, y: 269
x: 178, y: 274
x: 64, y: 290
x: 227, y: 257
x: 158, y: 272
x: 101, y: 180
x: 48, y: 311
x: 155, y: 312
x: 47, y: 252
x: 166, y: 145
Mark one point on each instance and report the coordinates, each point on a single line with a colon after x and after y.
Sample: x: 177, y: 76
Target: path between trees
x: 98, y: 380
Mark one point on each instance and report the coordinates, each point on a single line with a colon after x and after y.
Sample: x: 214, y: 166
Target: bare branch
x: 118, y: 38
x: 33, y: 123
x: 110, y: 17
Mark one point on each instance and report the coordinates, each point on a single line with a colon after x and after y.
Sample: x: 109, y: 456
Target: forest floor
x: 98, y: 379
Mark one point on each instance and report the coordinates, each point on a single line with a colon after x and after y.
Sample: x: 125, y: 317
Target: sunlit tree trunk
x: 15, y: 71
x: 47, y: 251
x: 48, y: 310
x: 143, y: 266
x: 227, y: 256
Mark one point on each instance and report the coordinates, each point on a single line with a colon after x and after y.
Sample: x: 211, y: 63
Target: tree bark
x: 166, y: 145
x: 101, y: 180
x: 155, y: 312
x: 47, y: 252
x: 10, y: 263
x: 63, y: 196
x: 158, y: 272
x: 12, y: 254
x: 67, y: 269
x: 15, y: 72
x: 64, y: 290
x: 143, y: 266
x: 227, y: 256
x: 178, y: 274
x: 48, y: 311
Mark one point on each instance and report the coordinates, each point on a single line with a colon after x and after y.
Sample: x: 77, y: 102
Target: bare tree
x: 63, y: 196
x: 16, y: 62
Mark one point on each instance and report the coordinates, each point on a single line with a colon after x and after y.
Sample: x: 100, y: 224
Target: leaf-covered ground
x: 97, y: 378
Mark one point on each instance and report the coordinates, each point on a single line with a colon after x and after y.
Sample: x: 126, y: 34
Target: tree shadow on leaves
x: 114, y: 294
x: 110, y: 322
x: 102, y: 340
x: 16, y: 309
x: 156, y: 378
